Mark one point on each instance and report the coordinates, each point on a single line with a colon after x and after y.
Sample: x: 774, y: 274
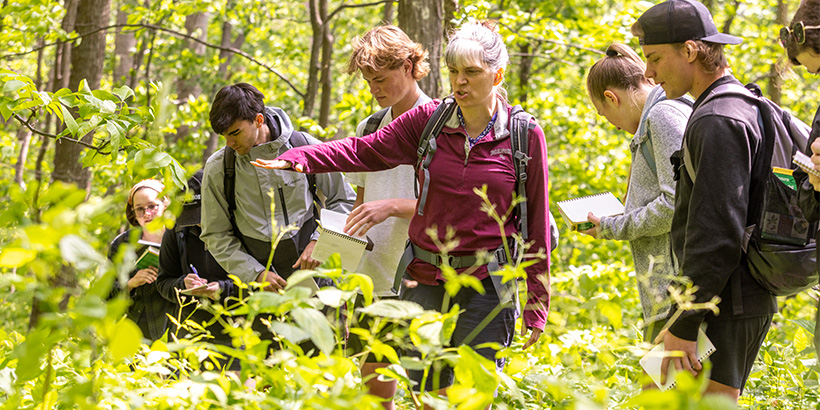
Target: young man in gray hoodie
x: 253, y: 131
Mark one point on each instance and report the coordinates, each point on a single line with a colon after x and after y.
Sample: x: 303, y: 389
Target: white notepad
x: 651, y: 363
x: 575, y: 210
x: 332, y: 239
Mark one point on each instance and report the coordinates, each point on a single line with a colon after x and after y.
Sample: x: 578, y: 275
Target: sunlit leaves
x: 124, y: 340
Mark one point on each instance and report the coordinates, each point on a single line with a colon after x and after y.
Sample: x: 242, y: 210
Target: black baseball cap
x: 675, y: 21
x: 192, y: 208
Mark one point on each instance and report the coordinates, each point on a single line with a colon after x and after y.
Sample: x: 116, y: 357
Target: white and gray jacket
x: 254, y: 186
x: 650, y: 203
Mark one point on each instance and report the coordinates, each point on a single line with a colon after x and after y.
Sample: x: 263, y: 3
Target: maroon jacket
x: 451, y: 201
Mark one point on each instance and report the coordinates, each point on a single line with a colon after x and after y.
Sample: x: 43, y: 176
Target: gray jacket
x: 292, y: 199
x: 650, y: 203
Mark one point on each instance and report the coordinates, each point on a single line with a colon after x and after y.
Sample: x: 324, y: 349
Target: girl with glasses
x: 148, y: 309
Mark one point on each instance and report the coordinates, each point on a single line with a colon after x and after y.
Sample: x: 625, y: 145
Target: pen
x: 194, y: 269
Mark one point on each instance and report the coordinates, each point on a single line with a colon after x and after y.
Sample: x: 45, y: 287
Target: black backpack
x: 519, y: 132
x: 779, y: 243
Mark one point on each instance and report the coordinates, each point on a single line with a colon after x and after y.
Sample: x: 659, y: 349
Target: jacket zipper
x: 284, y: 206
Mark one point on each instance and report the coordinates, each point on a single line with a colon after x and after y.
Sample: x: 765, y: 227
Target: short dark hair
x: 240, y: 101
x: 809, y: 14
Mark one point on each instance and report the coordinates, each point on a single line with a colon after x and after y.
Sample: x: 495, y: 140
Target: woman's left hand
x: 593, y: 232
x: 534, y: 336
x: 277, y: 164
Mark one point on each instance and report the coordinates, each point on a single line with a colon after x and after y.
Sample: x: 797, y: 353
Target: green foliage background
x: 83, y: 356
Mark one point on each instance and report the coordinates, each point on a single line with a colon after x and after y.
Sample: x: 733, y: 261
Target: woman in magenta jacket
x: 473, y: 150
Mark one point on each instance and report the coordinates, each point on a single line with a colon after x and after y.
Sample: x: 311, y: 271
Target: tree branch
x: 56, y: 137
x: 354, y: 6
x: 560, y: 43
x: 176, y: 34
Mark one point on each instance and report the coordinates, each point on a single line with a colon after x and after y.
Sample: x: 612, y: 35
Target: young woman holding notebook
x: 631, y: 102
x: 148, y: 310
x: 472, y: 150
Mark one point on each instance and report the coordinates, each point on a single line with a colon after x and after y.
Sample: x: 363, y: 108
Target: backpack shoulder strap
x: 180, y: 232
x: 372, y: 123
x: 298, y: 139
x: 229, y: 186
x: 647, y: 149
x: 519, y: 134
x: 427, y: 146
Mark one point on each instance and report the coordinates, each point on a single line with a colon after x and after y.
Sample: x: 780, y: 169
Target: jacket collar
x: 501, y: 128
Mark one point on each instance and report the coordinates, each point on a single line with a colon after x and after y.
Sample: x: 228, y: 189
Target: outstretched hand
x: 277, y: 164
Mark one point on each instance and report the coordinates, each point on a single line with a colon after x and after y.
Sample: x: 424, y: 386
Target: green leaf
x: 393, y: 309
x: 70, y: 123
x: 291, y: 333
x: 79, y: 253
x: 13, y: 85
x: 801, y: 340
x: 380, y: 350
x: 317, y: 326
x: 125, y: 339
x: 611, y: 311
x: 123, y: 92
x: 12, y: 257
x: 5, y: 109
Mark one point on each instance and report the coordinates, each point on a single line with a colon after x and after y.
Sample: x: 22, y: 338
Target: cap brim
x: 721, y: 38
x: 189, y: 216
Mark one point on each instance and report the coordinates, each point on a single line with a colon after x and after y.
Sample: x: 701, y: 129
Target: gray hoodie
x: 650, y: 203
x: 253, y: 202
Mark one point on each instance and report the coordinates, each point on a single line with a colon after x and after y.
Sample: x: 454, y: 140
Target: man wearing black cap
x: 184, y: 263
x: 684, y: 53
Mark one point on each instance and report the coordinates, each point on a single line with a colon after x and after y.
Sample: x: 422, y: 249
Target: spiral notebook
x: 804, y: 162
x: 332, y: 239
x: 575, y: 210
x: 651, y: 363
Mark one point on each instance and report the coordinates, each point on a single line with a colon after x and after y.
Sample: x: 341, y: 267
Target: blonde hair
x: 387, y: 48
x: 478, y: 43
x: 621, y: 68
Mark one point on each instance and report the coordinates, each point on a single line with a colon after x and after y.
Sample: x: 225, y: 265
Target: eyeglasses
x: 140, y: 211
x: 798, y: 31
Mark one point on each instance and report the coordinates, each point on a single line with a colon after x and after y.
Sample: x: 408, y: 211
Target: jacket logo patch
x: 501, y: 151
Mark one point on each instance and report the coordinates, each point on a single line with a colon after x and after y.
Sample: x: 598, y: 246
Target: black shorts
x: 477, y: 307
x: 366, y: 322
x: 737, y: 343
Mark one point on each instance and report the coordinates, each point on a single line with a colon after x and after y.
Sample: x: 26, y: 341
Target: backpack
x: 646, y: 146
x: 780, y: 250
x: 519, y: 132
x: 297, y: 139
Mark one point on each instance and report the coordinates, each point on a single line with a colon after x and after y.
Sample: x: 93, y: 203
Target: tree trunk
x: 125, y: 44
x: 423, y: 21
x: 387, y: 13
x: 23, y: 139
x: 327, y: 74
x: 225, y: 60
x: 196, y: 25
x: 317, y: 21
x: 775, y: 76
x: 524, y: 69
x: 225, y: 57
x: 86, y: 63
